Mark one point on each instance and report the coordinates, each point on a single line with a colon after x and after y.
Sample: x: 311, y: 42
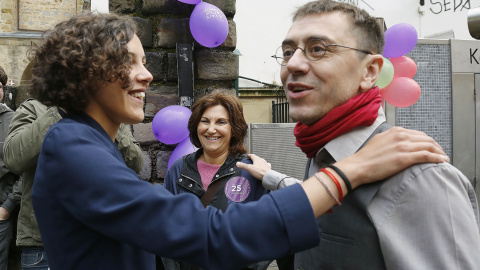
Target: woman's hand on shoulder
x: 259, y: 167
x: 390, y: 152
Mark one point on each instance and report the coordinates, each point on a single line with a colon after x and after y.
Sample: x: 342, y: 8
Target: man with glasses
x: 9, y: 182
x: 424, y: 217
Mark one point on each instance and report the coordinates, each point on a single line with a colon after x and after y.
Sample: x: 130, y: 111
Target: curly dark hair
x: 78, y: 55
x: 3, y: 76
x: 235, y: 114
x: 367, y: 30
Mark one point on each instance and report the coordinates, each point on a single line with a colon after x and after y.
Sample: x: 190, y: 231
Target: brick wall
x: 164, y: 23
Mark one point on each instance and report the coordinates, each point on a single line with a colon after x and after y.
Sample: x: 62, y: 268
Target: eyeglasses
x: 315, y: 49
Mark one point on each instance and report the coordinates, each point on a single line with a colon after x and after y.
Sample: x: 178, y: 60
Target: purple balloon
x: 400, y: 39
x: 193, y: 2
x: 170, y: 124
x: 185, y: 147
x: 208, y: 25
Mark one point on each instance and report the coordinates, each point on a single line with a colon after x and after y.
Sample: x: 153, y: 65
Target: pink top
x: 207, y: 171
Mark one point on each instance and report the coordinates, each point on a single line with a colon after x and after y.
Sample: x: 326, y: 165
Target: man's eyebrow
x: 291, y: 42
x: 326, y: 39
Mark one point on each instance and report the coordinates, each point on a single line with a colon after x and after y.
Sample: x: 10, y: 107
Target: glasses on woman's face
x: 315, y: 49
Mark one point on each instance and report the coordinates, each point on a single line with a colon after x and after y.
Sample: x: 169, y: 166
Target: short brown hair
x: 79, y: 53
x: 367, y: 30
x: 3, y: 76
x: 235, y: 114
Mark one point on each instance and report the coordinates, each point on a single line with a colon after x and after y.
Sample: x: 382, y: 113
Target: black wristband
x: 344, y: 177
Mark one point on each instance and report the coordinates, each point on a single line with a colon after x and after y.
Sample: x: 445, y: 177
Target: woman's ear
x: 373, y: 66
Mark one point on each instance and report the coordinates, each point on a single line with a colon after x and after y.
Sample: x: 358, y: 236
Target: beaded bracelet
x: 327, y: 188
x: 344, y: 177
x: 335, y: 180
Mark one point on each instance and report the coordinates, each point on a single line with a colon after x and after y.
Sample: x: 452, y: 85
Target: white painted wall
x: 262, y: 25
x: 100, y: 6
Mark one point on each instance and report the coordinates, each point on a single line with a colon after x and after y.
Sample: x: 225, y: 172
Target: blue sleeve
x: 91, y: 182
x: 257, y: 184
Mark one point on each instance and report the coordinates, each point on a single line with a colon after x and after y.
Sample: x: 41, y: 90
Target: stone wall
x: 44, y: 14
x: 13, y: 56
x: 164, y: 23
x: 36, y: 15
x: 8, y: 15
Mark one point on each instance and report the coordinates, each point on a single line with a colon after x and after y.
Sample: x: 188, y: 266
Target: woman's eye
x: 222, y: 123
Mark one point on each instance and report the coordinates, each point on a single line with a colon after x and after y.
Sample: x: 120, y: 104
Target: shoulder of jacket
x: 32, y: 103
x: 4, y: 108
x: 244, y: 158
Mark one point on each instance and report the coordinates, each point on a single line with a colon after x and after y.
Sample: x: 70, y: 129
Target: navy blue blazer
x: 95, y: 213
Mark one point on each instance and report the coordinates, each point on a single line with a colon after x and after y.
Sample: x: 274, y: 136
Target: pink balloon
x: 404, y: 66
x: 193, y: 2
x: 401, y: 92
x: 170, y: 124
x: 208, y: 25
x: 185, y: 147
x: 400, y: 39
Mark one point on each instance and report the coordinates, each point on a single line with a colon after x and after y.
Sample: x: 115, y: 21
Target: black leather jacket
x: 183, y: 176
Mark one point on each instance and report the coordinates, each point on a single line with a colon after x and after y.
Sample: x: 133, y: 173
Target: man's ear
x: 373, y: 66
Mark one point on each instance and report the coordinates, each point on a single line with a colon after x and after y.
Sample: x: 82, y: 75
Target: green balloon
x: 386, y: 74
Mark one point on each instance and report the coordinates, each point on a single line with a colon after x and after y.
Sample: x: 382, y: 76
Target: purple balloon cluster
x: 170, y: 126
x: 208, y: 24
x: 396, y: 82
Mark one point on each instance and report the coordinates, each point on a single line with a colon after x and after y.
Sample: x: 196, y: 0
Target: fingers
x: 417, y: 146
x: 258, y: 168
x: 421, y: 156
x: 408, y: 140
x: 258, y: 161
x: 255, y: 158
x: 390, y: 152
x: 242, y: 166
x: 409, y: 135
x: 254, y: 170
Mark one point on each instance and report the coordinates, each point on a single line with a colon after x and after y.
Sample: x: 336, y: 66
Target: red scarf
x: 361, y: 110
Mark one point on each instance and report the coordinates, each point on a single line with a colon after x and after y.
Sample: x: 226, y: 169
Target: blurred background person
x: 9, y: 182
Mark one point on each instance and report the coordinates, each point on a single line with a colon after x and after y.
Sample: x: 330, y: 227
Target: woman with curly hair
x: 95, y: 213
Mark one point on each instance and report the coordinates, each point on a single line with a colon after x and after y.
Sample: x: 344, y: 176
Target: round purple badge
x: 237, y: 189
